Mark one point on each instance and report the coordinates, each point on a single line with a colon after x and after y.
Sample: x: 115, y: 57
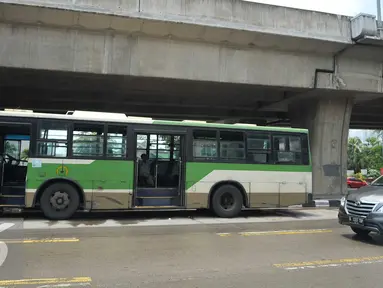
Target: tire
x: 360, y: 232
x: 59, y: 214
x: 225, y: 192
x: 349, y: 186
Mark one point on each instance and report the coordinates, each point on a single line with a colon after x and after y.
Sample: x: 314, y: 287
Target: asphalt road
x: 264, y: 251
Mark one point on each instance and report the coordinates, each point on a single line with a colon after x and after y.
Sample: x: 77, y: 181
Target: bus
x: 89, y: 161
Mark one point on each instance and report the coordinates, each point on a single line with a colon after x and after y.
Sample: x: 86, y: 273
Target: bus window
x: 52, y: 140
x: 88, y: 140
x: 116, y: 141
x: 12, y: 148
x: 204, y: 144
x: 141, y: 145
x: 232, y: 145
x: 287, y: 149
x: 305, y: 149
x: 258, y: 148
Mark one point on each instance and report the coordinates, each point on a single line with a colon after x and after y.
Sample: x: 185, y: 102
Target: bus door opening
x: 159, y: 169
x: 14, y: 147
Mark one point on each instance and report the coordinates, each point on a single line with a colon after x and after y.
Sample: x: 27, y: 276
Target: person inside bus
x: 146, y: 178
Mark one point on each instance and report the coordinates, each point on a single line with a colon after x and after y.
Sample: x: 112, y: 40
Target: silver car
x: 362, y: 209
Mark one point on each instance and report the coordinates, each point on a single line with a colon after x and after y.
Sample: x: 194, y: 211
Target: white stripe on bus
x: 62, y: 161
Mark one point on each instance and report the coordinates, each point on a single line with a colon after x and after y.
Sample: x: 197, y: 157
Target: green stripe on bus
x: 109, y: 174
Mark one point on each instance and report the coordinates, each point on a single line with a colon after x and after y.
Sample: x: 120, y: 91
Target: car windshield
x: 378, y: 181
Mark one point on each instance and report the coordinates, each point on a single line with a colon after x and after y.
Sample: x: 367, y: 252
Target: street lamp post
x: 379, y: 8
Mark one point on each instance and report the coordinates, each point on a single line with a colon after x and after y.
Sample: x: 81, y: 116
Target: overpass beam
x: 328, y: 121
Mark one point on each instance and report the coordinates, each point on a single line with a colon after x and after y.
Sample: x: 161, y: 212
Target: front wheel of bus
x: 227, y: 201
x: 59, y: 201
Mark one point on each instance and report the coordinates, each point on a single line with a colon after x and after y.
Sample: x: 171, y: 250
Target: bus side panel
x: 201, y: 177
x: 266, y: 186
x: 107, y: 184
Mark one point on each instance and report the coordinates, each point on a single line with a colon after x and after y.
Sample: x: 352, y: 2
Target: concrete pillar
x: 328, y: 122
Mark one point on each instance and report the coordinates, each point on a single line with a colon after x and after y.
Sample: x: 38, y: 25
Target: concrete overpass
x: 218, y: 60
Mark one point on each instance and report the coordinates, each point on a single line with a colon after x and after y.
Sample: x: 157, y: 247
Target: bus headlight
x: 342, y: 201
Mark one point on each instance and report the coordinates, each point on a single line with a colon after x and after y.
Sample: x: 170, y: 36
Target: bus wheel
x: 59, y: 201
x: 227, y: 201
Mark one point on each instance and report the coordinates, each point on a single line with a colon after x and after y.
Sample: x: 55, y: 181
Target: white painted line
x: 3, y: 253
x: 3, y: 246
x: 5, y: 226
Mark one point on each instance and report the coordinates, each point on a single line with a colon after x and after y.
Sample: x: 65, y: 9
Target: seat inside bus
x: 14, y: 147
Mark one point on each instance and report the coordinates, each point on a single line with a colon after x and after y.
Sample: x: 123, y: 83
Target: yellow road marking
x: 280, y: 232
x: 286, y: 232
x: 36, y: 241
x: 224, y: 234
x: 46, y: 281
x: 329, y: 262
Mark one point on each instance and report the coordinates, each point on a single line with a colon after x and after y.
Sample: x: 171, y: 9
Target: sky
x: 343, y: 7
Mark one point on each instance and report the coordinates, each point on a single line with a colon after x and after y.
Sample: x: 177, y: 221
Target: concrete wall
x: 37, y: 37
x: 269, y: 18
x: 328, y: 120
x: 360, y: 68
x: 233, y: 14
x: 84, y: 51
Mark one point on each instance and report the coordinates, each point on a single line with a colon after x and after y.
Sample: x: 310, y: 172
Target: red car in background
x: 355, y: 183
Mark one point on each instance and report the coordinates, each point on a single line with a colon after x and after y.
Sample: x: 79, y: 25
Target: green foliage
x: 10, y: 148
x: 373, y: 173
x: 25, y: 154
x: 367, y: 155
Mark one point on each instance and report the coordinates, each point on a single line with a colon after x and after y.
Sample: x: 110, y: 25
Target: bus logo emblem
x: 62, y: 171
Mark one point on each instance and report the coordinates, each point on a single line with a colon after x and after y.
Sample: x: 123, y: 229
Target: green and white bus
x: 88, y: 161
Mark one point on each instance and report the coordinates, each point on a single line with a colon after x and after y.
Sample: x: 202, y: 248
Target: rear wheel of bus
x: 59, y: 201
x: 227, y: 201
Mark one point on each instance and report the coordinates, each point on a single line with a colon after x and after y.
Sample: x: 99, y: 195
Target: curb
x: 322, y: 203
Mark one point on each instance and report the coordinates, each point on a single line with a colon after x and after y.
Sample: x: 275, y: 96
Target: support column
x: 328, y: 122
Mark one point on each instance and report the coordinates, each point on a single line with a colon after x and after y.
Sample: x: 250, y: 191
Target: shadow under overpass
x: 59, y: 92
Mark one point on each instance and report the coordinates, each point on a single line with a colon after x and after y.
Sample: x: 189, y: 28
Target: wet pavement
x: 297, y: 249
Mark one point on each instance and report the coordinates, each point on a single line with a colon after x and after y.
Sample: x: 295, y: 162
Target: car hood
x: 367, y: 194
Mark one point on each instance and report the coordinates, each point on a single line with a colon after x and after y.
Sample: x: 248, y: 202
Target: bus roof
x: 122, y: 118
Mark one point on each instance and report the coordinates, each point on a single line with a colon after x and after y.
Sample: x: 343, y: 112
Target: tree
x: 25, y: 154
x: 355, y: 159
x: 10, y: 148
x: 372, y: 153
x: 367, y: 155
x: 378, y: 134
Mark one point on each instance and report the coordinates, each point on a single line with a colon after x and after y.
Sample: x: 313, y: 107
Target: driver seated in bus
x: 144, y: 171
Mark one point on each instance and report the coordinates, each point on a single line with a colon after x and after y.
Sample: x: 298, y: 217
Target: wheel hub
x: 60, y: 200
x: 227, y: 201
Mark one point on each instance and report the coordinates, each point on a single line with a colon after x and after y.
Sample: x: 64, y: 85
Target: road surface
x: 290, y: 249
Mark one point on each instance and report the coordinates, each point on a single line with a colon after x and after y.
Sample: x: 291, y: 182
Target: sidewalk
x: 319, y: 203
x: 324, y: 203
x: 323, y: 200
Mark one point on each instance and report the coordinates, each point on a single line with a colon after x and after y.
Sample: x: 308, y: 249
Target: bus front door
x: 159, y: 171
x: 15, y: 140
